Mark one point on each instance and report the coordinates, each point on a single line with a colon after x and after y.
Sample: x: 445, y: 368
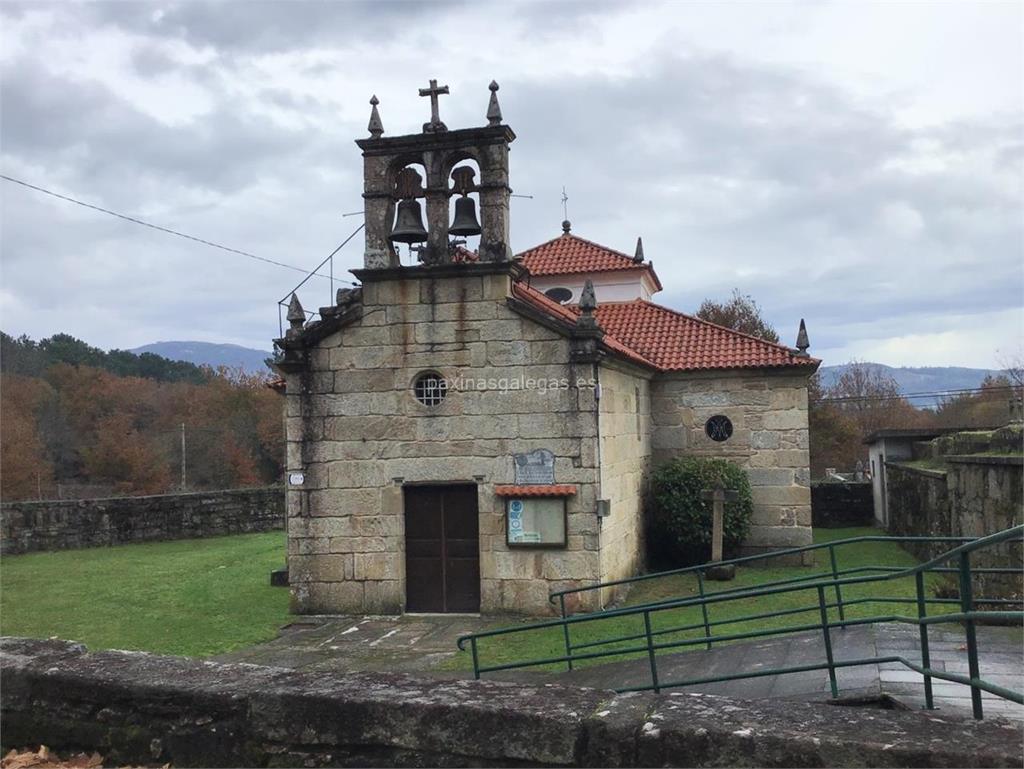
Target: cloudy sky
x: 859, y: 165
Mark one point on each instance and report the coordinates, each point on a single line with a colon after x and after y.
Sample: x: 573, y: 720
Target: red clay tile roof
x: 667, y: 340
x: 569, y: 254
x: 569, y: 314
x: 553, y: 490
x: 677, y: 342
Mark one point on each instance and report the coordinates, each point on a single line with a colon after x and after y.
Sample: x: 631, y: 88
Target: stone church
x: 470, y: 429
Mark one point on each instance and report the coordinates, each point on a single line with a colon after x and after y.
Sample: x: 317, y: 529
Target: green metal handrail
x: 830, y: 546
x: 833, y: 580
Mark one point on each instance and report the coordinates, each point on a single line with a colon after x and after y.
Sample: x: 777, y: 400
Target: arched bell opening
x: 408, y: 218
x: 464, y: 229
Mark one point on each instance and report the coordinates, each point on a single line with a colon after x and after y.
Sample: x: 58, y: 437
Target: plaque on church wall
x: 535, y: 468
x: 535, y: 522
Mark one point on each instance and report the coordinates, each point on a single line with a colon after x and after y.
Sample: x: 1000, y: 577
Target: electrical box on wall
x: 604, y: 508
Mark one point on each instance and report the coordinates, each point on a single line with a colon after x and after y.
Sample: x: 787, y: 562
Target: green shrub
x: 680, y: 519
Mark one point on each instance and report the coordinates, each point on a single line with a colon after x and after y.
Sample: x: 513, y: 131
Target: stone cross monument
x: 718, y: 496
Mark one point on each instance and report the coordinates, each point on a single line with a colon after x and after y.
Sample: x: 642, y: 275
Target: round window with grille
x: 718, y: 428
x: 430, y: 388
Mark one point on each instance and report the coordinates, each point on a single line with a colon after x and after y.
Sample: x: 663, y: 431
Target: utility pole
x: 182, y: 456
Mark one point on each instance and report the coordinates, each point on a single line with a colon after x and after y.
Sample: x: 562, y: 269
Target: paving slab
x: 427, y: 644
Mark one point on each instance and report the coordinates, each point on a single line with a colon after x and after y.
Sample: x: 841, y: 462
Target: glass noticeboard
x: 535, y: 522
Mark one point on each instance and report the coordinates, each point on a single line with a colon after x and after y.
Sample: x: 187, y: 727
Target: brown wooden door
x: 442, y: 549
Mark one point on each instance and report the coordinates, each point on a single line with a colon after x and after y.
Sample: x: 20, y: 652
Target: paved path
x: 1000, y: 654
x: 426, y: 644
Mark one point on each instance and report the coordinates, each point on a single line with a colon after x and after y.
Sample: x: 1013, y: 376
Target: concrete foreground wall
x: 143, y: 709
x: 63, y: 524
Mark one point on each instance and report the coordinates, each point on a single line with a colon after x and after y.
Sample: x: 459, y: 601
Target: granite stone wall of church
x: 358, y: 435
x: 768, y: 411
x: 625, y: 430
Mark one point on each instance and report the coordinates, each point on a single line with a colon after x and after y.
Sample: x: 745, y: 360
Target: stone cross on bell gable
x: 433, y: 92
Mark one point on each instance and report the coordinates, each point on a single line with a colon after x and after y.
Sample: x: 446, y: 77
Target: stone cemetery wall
x: 837, y: 505
x: 625, y: 458
x: 74, y: 523
x: 768, y: 411
x: 962, y: 496
x: 145, y: 710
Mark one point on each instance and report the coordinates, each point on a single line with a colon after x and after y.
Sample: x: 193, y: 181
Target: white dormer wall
x: 613, y: 286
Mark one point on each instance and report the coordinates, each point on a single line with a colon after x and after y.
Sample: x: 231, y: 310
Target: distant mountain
x: 209, y: 354
x: 916, y: 380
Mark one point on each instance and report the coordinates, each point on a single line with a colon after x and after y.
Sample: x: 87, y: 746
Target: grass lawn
x: 550, y: 643
x: 207, y: 596
x: 192, y: 597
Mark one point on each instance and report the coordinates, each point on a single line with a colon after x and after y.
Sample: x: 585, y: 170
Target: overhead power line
x: 917, y: 395
x: 167, y: 230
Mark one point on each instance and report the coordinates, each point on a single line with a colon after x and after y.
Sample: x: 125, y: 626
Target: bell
x: 408, y: 223
x: 465, y: 222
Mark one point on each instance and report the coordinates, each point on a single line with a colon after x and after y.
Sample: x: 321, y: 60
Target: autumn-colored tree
x: 872, y: 399
x: 741, y: 313
x: 123, y: 457
x: 862, y: 400
x: 989, y: 407
x: 25, y: 471
x: 834, y: 436
x: 91, y: 429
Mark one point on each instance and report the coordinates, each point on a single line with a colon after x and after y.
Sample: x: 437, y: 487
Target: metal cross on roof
x: 433, y: 92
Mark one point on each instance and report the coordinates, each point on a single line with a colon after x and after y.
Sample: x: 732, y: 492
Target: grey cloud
x: 51, y: 120
x: 266, y: 25
x: 736, y: 174
x: 807, y: 173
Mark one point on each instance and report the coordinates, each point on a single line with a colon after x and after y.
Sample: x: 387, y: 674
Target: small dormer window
x: 559, y: 294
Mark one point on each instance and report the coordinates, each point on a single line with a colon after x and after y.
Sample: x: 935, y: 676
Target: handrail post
x: 650, y: 651
x: 476, y: 659
x: 704, y: 606
x: 839, y: 590
x: 967, y: 606
x: 565, y: 632
x: 828, y: 642
x: 926, y: 657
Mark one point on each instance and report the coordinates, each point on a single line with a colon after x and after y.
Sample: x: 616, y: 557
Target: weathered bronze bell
x: 408, y: 223
x: 465, y: 222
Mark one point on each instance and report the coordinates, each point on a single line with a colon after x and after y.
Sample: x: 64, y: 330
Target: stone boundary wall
x: 142, y: 709
x: 918, y: 506
x: 836, y: 505
x: 972, y: 497
x: 64, y: 524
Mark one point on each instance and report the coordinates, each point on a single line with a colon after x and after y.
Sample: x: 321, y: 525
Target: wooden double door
x: 442, y: 549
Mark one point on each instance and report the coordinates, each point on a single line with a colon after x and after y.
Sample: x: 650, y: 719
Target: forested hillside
x: 28, y: 358
x: 78, y: 421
